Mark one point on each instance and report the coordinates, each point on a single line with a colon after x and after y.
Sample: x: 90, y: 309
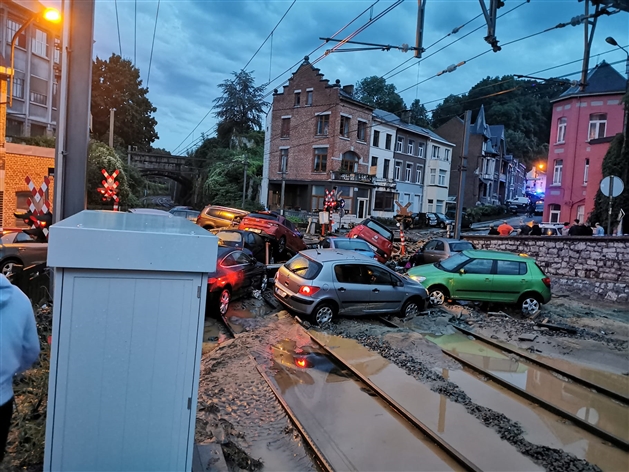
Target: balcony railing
x: 383, y: 182
x: 352, y: 177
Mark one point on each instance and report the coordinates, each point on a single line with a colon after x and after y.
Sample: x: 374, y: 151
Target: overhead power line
x: 118, y: 26
x: 148, y: 77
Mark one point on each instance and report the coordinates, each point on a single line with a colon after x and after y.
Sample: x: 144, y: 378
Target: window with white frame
x: 420, y: 149
x: 446, y: 154
x: 435, y: 152
x: 283, y: 160
x: 433, y: 176
x: 440, y: 206
x: 581, y: 213
x: 376, y: 138
x: 431, y: 205
x: 554, y: 212
x: 320, y: 160
x: 344, y: 126
x: 399, y: 145
x: 308, y: 98
x: 418, y: 174
x: 285, y: 129
x: 374, y: 161
x: 561, y: 130
x: 362, y: 131
x: 398, y: 170
x: 598, y: 123
x: 323, y: 123
x: 18, y: 88
x: 442, y: 177
x: 387, y: 141
x: 410, y: 147
x: 557, y: 171
x: 297, y: 98
x: 586, y: 171
x: 39, y: 43
x: 409, y: 171
x: 12, y: 28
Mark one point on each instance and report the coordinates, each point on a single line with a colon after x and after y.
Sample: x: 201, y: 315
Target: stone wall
x: 594, y: 267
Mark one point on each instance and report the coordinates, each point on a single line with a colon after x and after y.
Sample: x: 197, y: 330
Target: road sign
x: 612, y: 186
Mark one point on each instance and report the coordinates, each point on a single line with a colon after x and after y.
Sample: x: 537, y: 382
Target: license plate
x: 281, y: 292
x: 254, y: 230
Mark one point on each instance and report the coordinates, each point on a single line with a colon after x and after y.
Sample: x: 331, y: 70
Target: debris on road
x: 527, y: 337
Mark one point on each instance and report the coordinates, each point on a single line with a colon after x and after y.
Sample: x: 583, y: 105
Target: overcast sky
x: 199, y: 43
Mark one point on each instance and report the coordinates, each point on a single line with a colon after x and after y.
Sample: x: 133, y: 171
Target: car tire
x: 208, y: 227
x: 223, y: 301
x: 281, y: 245
x: 323, y: 314
x: 442, y: 225
x: 437, y: 295
x: 530, y: 304
x: 412, y: 308
x: 8, y: 265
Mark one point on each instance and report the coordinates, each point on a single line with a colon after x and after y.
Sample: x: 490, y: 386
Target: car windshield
x: 452, y: 262
x: 304, y: 267
x: 441, y: 215
x: 8, y: 238
x: 462, y: 246
x: 355, y: 244
x: 229, y: 238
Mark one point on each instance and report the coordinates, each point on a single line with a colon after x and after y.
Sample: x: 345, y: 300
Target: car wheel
x: 223, y: 301
x: 442, y: 225
x: 8, y: 266
x: 530, y: 305
x: 323, y: 314
x: 281, y: 245
x: 265, y: 282
x: 437, y: 296
x: 412, y: 308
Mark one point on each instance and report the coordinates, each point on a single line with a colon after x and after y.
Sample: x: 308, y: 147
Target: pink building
x: 584, y: 123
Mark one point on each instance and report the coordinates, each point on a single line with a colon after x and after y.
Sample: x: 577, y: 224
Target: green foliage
x: 614, y: 163
x: 484, y: 212
x: 116, y: 84
x: 419, y: 114
x: 376, y: 92
x: 101, y: 157
x: 41, y: 141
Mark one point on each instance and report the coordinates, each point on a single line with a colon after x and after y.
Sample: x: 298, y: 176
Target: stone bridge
x: 162, y: 165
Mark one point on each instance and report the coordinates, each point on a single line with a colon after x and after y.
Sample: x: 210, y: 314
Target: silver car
x: 322, y: 283
x: 20, y: 249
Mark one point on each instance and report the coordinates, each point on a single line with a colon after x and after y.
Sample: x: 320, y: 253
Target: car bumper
x: 294, y: 302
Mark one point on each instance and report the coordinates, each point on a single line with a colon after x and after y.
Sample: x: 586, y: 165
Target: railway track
x: 595, y: 408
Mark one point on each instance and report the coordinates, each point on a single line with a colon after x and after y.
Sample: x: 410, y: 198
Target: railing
x: 39, y: 98
x: 351, y: 176
x: 383, y: 182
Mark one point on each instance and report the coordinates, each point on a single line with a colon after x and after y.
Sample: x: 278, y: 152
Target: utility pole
x: 419, y: 35
x: 588, y: 37
x: 283, y: 184
x: 74, y: 108
x: 462, y: 171
x: 244, y: 182
x: 111, y: 127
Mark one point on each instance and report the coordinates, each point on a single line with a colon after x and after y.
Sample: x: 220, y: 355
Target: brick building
x: 320, y: 134
x: 584, y: 122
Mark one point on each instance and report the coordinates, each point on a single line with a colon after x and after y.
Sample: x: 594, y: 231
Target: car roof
x: 224, y: 208
x: 502, y: 255
x: 149, y: 211
x: 330, y: 255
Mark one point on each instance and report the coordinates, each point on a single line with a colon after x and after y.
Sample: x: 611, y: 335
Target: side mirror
x: 461, y: 271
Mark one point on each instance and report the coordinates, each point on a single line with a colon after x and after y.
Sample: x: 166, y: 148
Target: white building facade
x: 382, y: 168
x: 437, y: 175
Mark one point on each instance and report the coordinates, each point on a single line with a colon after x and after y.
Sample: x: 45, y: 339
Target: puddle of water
x: 541, y: 426
x: 448, y: 419
x: 353, y: 429
x: 582, y: 402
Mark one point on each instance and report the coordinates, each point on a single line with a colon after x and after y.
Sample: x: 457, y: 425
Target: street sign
x: 612, y: 186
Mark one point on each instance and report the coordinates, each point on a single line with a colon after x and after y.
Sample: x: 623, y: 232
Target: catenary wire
x: 148, y: 77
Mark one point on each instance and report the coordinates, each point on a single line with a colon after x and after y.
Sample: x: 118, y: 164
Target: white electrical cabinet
x: 129, y: 306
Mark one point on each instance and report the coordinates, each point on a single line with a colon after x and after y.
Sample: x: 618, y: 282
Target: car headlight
x: 417, y: 278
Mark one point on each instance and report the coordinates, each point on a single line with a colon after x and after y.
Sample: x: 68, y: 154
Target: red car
x: 377, y: 236
x: 276, y: 226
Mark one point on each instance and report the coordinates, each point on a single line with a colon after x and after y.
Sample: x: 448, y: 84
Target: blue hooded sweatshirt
x: 19, y: 343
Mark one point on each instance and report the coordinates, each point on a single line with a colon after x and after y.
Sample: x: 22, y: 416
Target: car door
x: 233, y: 268
x: 30, y: 251
x: 435, y: 252
x: 510, y: 281
x: 474, y: 280
x: 384, y: 296
x: 352, y: 291
x: 293, y: 240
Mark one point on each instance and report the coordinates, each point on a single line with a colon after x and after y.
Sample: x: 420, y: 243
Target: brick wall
x: 22, y: 161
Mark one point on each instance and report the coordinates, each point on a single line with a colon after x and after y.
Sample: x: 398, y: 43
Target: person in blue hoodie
x: 19, y: 348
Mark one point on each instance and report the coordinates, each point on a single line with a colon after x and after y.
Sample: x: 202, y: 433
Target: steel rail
x: 323, y: 462
x: 610, y: 393
x: 228, y: 326
x: 399, y: 409
x: 615, y: 440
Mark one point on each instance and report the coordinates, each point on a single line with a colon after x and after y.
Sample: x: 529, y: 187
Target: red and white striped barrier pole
x: 402, y: 244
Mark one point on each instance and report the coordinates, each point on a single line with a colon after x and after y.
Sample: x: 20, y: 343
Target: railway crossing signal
x: 38, y: 204
x: 109, y: 190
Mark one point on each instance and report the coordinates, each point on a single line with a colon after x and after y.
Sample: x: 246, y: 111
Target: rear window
x: 458, y: 247
x: 382, y: 231
x: 229, y: 238
x: 303, y: 267
x: 353, y: 244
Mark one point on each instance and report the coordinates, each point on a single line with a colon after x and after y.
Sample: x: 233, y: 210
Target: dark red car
x: 276, y: 226
x: 377, y: 236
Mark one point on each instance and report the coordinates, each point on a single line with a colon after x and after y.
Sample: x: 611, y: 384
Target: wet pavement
x: 593, y: 407
x: 447, y: 419
x: 354, y: 429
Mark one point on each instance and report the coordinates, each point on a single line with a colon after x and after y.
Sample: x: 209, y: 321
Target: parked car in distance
x: 466, y: 222
x: 20, y: 249
x: 149, y: 211
x: 487, y: 276
x: 321, y: 284
x: 550, y: 229
x: 539, y: 208
x: 276, y: 226
x: 439, y: 219
x: 518, y: 204
x: 254, y: 242
x: 438, y: 249
x: 237, y: 273
x: 352, y: 244
x: 187, y: 213
x: 214, y: 216
x: 378, y: 236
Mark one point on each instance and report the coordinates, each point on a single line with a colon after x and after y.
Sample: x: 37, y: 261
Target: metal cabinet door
x: 122, y: 397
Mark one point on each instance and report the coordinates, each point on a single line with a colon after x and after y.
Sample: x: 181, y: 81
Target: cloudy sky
x: 199, y: 43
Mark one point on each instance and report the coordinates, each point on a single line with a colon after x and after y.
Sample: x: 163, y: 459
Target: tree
x: 376, y: 92
x: 419, y: 114
x: 102, y: 157
x: 240, y: 107
x: 116, y: 84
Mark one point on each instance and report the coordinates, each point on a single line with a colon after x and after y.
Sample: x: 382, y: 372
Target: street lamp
x: 49, y: 14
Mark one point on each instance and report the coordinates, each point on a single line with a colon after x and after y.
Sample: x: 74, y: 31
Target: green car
x: 487, y: 276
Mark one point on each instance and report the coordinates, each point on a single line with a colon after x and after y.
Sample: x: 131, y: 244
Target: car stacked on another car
x: 276, y: 226
x: 487, y: 276
x: 322, y: 283
x: 214, y: 216
x: 378, y: 236
x: 254, y: 242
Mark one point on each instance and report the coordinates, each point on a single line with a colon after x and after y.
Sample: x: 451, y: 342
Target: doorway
x: 362, y: 208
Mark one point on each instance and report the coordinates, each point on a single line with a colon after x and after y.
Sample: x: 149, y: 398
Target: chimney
x: 406, y: 116
x: 348, y: 89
